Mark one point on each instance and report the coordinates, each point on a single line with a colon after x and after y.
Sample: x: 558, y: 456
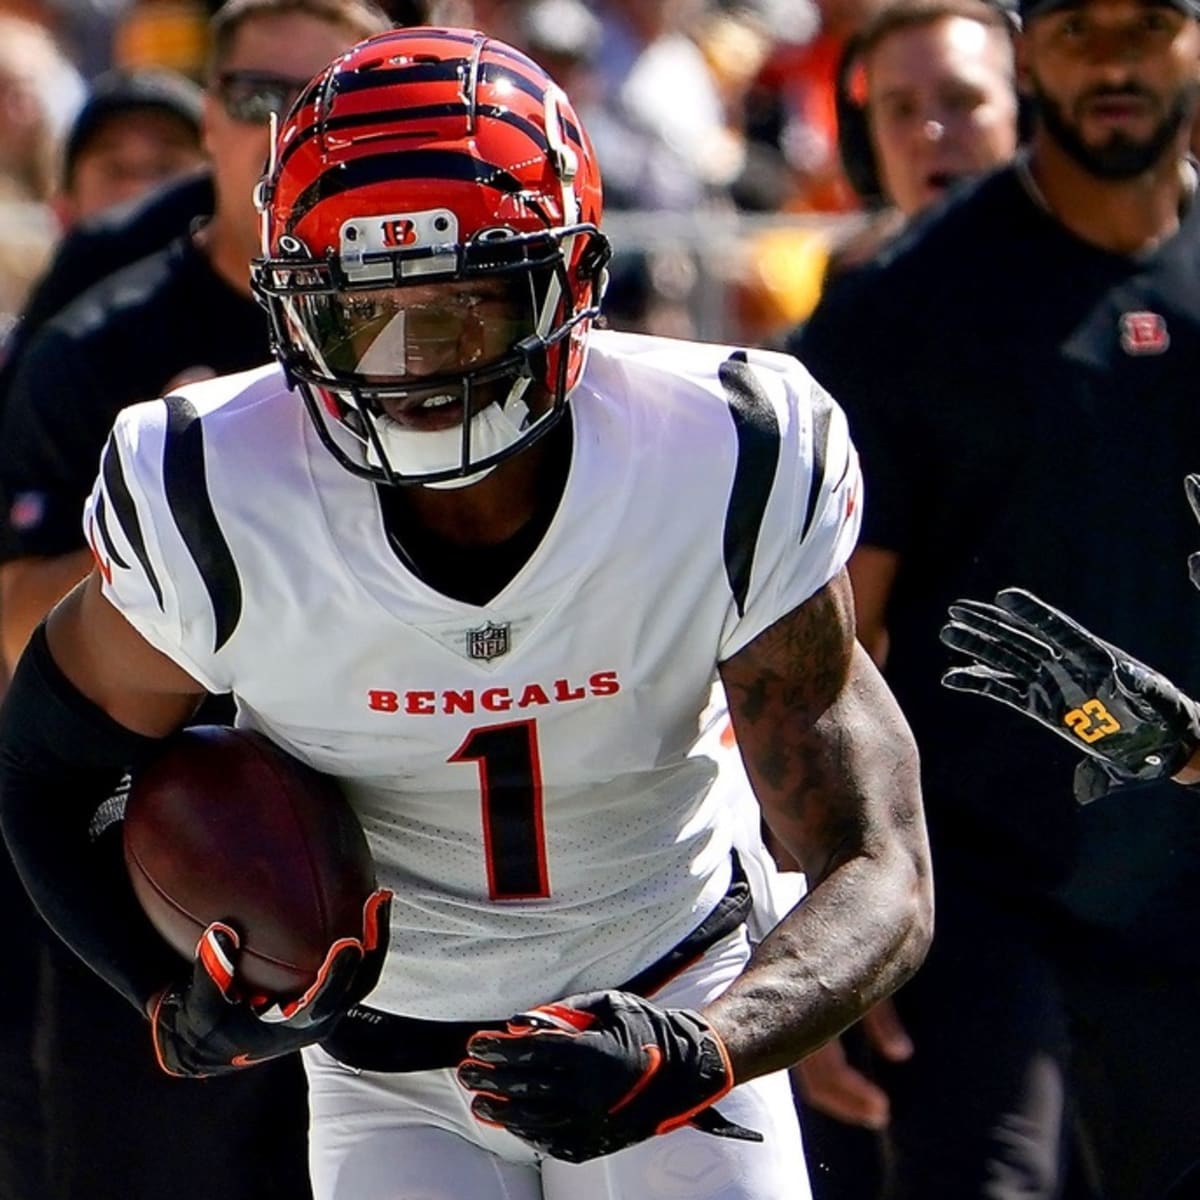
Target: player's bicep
x: 102, y: 654
x: 828, y: 753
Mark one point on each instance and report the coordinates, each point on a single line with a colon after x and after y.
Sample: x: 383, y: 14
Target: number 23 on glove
x: 597, y: 1072
x: 1133, y: 724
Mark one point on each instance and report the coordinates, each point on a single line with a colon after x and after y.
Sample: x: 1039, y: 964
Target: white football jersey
x: 521, y: 768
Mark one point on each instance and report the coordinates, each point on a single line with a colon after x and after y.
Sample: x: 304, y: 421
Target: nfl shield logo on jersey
x: 488, y: 642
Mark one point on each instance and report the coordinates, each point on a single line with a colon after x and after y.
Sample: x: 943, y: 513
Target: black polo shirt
x: 113, y: 239
x: 1027, y: 406
x: 102, y: 244
x: 124, y: 340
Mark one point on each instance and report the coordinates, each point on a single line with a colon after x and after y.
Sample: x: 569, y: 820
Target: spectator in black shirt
x: 100, y: 245
x: 117, y: 1128
x: 183, y: 313
x: 132, y: 337
x: 1020, y: 373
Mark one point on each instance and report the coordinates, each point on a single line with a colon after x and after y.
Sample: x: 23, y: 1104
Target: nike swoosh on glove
x: 203, y: 1026
x: 597, y: 1072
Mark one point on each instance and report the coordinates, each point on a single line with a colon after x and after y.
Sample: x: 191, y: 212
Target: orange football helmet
x: 431, y: 237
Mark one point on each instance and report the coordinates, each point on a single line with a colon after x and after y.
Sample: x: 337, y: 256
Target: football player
x: 482, y: 563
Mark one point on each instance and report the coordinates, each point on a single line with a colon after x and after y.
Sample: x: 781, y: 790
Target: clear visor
x: 410, y: 333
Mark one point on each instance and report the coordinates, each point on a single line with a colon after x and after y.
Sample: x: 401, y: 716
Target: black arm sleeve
x: 61, y: 758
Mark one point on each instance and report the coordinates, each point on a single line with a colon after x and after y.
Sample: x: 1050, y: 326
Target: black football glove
x: 1191, y: 485
x: 1133, y: 724
x: 205, y: 1026
x: 597, y: 1072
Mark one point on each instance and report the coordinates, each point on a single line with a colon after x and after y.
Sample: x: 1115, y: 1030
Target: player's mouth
x: 427, y: 411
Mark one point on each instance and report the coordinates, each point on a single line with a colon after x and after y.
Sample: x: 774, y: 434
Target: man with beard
x: 1025, y: 415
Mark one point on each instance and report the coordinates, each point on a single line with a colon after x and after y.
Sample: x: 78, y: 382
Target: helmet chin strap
x: 414, y: 453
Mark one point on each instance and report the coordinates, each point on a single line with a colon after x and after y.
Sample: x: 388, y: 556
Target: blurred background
x: 714, y: 123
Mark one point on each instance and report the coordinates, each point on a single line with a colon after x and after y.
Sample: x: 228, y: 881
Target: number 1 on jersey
x: 510, y: 781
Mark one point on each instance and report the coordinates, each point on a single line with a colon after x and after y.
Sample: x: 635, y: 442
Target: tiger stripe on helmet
x: 449, y: 70
x: 426, y: 112
x: 457, y: 37
x: 412, y: 164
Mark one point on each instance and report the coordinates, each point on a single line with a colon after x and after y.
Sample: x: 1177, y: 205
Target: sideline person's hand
x: 1132, y: 723
x: 829, y: 1084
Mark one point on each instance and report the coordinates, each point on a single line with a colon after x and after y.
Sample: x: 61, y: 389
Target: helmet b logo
x: 399, y: 233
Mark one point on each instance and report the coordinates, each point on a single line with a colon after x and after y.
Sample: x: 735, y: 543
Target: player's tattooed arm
x: 834, y: 767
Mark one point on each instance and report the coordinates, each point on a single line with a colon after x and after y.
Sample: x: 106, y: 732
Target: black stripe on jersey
x: 125, y: 511
x: 757, y: 430
x: 106, y: 537
x: 399, y: 116
x: 411, y: 164
x: 821, y: 406
x: 185, y: 484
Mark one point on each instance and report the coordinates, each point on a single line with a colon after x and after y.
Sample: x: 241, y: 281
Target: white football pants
x: 411, y: 1136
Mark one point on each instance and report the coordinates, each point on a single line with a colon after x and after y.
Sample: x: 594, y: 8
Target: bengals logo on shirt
x: 1143, y: 333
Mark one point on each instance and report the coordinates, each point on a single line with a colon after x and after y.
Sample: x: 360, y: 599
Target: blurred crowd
x: 99, y: 99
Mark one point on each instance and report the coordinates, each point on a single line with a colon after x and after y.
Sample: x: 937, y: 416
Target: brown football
x: 226, y: 826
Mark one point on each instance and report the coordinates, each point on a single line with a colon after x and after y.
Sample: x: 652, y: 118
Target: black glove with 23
x: 597, y: 1072
x: 1134, y: 725
x: 204, y: 1026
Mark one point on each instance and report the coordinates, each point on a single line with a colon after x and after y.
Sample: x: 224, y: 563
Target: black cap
x: 1038, y: 8
x: 117, y: 92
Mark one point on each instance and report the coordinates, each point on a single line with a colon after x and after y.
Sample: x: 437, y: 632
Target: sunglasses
x: 252, y: 97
